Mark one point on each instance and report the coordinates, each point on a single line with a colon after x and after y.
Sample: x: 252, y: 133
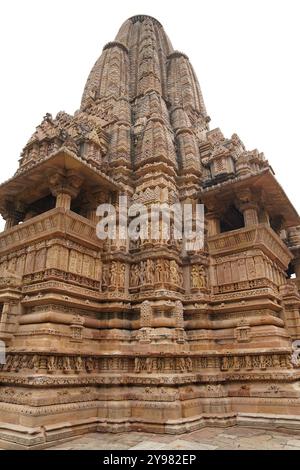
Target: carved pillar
x: 294, y: 245
x: 91, y: 201
x: 3, y: 316
x: 65, y: 187
x: 91, y: 214
x: 246, y: 203
x: 264, y: 217
x: 12, y: 213
x: 297, y: 267
x: 294, y: 236
x: 213, y: 223
x: 10, y: 221
x: 291, y: 304
x: 63, y: 199
x: 250, y: 213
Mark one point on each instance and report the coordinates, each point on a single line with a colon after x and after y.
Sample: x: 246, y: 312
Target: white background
x: 245, y: 54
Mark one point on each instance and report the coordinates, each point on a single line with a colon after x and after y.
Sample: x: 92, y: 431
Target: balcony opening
x: 290, y: 272
x: 77, y: 206
x: 232, y: 220
x: 40, y: 206
x: 276, y: 223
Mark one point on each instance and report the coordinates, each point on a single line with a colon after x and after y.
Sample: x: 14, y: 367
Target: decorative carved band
x: 90, y: 364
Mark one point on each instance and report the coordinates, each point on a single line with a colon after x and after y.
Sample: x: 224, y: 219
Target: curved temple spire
x: 142, y: 113
x: 144, y: 57
x: 141, y: 68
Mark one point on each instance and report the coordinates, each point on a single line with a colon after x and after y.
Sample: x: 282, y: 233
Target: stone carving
x: 146, y: 323
x: 146, y: 314
x: 66, y: 364
x: 178, y: 313
x: 198, y: 277
x: 242, y: 332
x: 51, y: 364
x: 296, y: 353
x: 116, y: 276
x: 155, y: 271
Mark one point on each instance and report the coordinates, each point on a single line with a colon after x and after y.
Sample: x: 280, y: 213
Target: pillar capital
x: 12, y: 212
x: 65, y: 186
x: 68, y: 183
x: 213, y: 223
x: 294, y: 236
x: 247, y: 204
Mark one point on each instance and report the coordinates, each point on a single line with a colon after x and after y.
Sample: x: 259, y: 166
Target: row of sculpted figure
x: 113, y: 276
x: 181, y: 364
x: 153, y: 271
x: 198, y: 277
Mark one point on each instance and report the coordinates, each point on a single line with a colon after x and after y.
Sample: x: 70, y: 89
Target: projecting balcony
x: 55, y: 222
x: 257, y: 237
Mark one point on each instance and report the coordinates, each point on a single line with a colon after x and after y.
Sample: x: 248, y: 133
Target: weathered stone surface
x: 210, y: 439
x: 294, y: 443
x: 148, y: 335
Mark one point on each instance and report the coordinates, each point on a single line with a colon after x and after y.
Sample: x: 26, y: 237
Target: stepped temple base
x: 41, y: 410
x: 65, y: 425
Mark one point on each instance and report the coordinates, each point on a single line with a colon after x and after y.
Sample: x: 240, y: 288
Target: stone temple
x: 112, y: 335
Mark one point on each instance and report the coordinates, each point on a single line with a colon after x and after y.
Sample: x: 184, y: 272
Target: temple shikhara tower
x: 107, y: 335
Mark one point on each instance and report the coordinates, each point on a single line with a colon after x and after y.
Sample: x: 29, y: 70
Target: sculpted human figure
x: 16, y: 363
x: 174, y: 272
x: 34, y: 363
x: 262, y: 360
x: 78, y: 364
x: 236, y: 362
x: 165, y: 270
x: 48, y: 118
x: 149, y: 365
x: 181, y: 364
x: 114, y: 274
x: 159, y: 271
x: 189, y: 364
x: 248, y: 362
x: 225, y: 363
x: 160, y: 364
x: 23, y: 362
x: 149, y: 271
x: 276, y: 362
x: 89, y: 364
x: 137, y: 365
x: 66, y: 364
x: 105, y: 276
x: 121, y: 275
x: 195, y: 277
x: 202, y: 277
x: 137, y: 274
x: 142, y: 273
x: 180, y: 277
x: 51, y: 364
x: 134, y: 275
x: 9, y: 360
